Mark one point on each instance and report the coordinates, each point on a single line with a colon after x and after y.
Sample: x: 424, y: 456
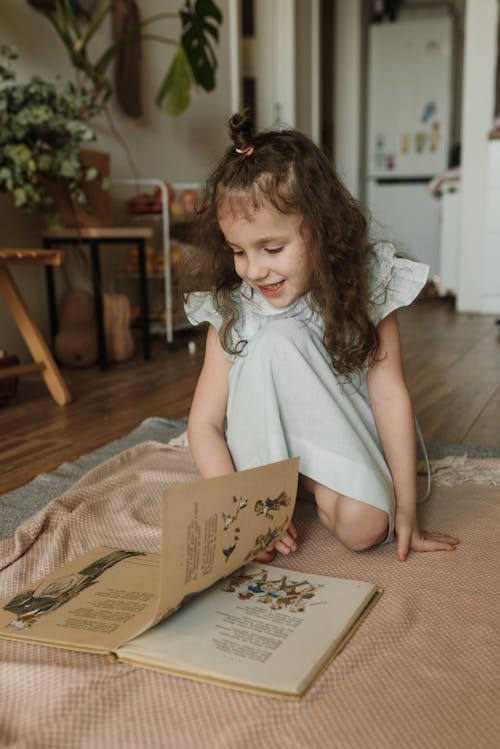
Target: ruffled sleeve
x: 199, y: 307
x: 394, y: 281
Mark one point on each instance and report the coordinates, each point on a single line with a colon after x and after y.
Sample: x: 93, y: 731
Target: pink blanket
x: 422, y: 671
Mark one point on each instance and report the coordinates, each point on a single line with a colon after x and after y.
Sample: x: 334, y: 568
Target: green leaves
x: 42, y: 127
x: 174, y: 93
x: 199, y: 23
x: 194, y: 60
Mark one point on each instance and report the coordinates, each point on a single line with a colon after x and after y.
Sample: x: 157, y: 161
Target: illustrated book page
x: 96, y: 602
x: 107, y: 596
x: 212, y: 527
x: 263, y: 629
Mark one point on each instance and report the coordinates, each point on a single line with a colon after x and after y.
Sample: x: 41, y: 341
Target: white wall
x: 480, y: 49
x: 347, y: 92
x: 175, y: 149
x: 307, y: 67
x: 283, y: 58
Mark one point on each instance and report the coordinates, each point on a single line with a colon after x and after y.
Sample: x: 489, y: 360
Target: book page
x: 95, y: 602
x: 107, y: 596
x: 264, y: 628
x: 212, y: 527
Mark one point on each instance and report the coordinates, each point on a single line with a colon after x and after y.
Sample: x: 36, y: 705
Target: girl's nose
x: 256, y: 268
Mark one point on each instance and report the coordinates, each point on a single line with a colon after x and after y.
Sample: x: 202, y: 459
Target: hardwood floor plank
x: 484, y: 430
x: 454, y: 383
x: 451, y: 374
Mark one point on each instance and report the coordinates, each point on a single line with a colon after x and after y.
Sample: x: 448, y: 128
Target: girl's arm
x: 206, y: 428
x: 393, y: 411
x: 208, y: 410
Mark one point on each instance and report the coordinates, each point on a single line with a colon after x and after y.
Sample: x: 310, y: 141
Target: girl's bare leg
x: 355, y: 524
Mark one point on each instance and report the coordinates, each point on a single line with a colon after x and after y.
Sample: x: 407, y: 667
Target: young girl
x: 303, y: 353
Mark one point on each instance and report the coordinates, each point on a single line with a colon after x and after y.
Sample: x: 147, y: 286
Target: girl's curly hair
x: 286, y: 170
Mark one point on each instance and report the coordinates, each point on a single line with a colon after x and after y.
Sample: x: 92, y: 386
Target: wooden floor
x: 452, y: 363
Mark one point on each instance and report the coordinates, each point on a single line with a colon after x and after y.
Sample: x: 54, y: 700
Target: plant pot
x: 72, y: 214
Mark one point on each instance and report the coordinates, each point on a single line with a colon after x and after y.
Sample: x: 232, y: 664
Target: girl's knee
x: 357, y: 525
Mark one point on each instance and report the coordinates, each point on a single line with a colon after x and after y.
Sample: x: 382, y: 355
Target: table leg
x: 143, y: 289
x: 51, y: 296
x: 98, y: 303
x: 33, y: 339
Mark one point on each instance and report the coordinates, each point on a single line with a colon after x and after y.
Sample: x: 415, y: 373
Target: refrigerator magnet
x: 435, y: 136
x: 428, y: 111
x: 420, y: 139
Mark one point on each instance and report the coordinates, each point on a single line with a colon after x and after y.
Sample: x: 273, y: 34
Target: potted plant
x: 194, y: 61
x: 43, y: 126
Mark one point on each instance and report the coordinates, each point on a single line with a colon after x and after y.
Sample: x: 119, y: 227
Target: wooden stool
x: 43, y: 360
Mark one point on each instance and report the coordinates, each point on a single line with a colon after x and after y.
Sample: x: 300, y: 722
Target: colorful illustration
x: 262, y: 507
x: 278, y: 592
x: 265, y: 508
x: 239, y: 578
x: 228, y: 550
x: 229, y: 519
x: 267, y: 539
x: 30, y: 605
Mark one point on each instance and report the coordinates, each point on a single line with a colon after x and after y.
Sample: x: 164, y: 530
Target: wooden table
x: 94, y: 237
x: 43, y: 362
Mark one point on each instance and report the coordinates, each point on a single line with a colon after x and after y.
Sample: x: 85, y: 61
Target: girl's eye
x: 237, y: 253
x: 273, y: 250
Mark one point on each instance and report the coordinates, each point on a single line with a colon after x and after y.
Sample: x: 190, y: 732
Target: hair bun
x: 240, y: 129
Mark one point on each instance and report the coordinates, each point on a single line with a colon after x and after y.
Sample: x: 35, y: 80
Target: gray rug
x: 437, y: 450
x: 19, y: 504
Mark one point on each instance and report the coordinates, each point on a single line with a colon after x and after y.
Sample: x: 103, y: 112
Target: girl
x: 303, y: 353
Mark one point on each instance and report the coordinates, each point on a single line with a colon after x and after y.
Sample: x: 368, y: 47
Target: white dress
x: 286, y: 400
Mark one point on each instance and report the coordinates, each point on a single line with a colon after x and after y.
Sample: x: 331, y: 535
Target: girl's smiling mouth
x: 271, y: 289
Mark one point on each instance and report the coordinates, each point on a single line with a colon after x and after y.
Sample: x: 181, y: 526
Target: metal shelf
x: 164, y: 216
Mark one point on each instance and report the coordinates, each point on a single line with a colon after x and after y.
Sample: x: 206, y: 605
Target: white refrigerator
x: 408, y: 131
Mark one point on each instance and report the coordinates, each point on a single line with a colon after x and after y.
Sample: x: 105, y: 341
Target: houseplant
x: 43, y: 126
x: 194, y: 61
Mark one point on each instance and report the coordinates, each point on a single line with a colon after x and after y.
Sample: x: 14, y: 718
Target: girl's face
x: 269, y: 253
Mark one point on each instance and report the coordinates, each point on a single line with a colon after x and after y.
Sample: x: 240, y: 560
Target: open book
x: 254, y: 627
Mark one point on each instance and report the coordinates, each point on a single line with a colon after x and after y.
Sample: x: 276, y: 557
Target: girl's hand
x: 286, y: 544
x: 411, y: 537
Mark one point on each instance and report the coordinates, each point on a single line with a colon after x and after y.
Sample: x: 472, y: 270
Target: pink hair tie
x: 248, y: 151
